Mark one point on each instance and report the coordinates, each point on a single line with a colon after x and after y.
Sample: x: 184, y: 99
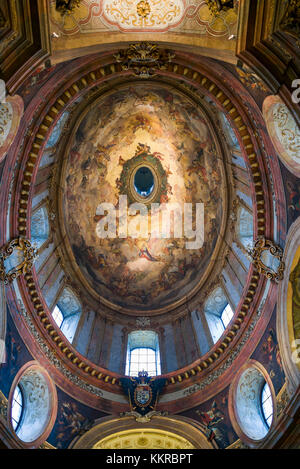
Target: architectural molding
x: 284, y: 324
x: 190, y: 429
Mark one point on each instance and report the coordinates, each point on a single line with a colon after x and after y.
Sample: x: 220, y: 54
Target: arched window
x: 39, y: 226
x: 245, y: 228
x: 143, y: 353
x: 17, y: 408
x: 229, y: 132
x: 218, y: 313
x: 56, y: 132
x: 67, y: 312
x: 267, y: 404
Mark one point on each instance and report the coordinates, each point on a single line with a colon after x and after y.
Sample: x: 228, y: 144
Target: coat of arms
x: 142, y: 392
x: 142, y: 395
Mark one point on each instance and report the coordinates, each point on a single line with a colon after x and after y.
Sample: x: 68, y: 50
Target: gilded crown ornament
x: 144, y: 59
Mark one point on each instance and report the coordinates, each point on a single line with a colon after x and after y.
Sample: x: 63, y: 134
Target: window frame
x: 156, y: 350
x: 62, y: 314
x: 42, y: 205
x: 221, y: 316
x: 17, y: 424
x: 262, y: 402
x: 66, y: 313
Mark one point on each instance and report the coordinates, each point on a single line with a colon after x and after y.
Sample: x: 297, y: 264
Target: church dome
x: 149, y: 224
x: 151, y: 257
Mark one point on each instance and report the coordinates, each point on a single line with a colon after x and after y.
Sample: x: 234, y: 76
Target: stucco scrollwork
x: 267, y: 258
x: 16, y: 258
x: 11, y: 111
x: 36, y: 393
x: 283, y: 131
x: 248, y: 386
x: 149, y: 14
x: 143, y: 418
x: 6, y: 115
x: 144, y: 59
x: 142, y: 321
x: 289, y: 132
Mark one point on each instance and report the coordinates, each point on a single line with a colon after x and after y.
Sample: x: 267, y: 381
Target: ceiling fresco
x: 131, y: 129
x: 187, y: 16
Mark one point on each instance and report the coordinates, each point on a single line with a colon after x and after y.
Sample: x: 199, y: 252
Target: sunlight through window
x: 143, y: 353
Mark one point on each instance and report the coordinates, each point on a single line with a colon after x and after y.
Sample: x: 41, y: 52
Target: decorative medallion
x: 143, y: 9
x: 144, y: 160
x: 144, y: 14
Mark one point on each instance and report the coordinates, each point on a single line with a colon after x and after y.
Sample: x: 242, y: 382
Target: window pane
x: 57, y: 316
x: 143, y: 353
x: 17, y: 407
x: 227, y: 315
x: 267, y: 404
x: 142, y: 359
